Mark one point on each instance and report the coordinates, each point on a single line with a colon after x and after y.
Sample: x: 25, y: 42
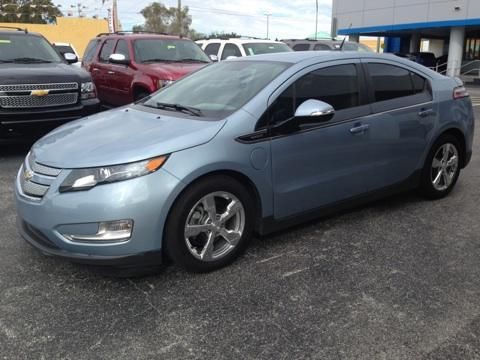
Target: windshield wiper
x: 5, y: 61
x: 30, y: 60
x: 157, y: 60
x: 192, y: 60
x: 182, y: 108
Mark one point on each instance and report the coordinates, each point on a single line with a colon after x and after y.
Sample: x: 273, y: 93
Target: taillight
x: 460, y: 92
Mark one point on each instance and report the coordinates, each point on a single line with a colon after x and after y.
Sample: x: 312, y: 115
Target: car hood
x: 172, y: 71
x: 122, y: 136
x: 41, y: 73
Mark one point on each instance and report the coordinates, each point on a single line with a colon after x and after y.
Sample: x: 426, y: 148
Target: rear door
x: 403, y: 114
x: 101, y: 72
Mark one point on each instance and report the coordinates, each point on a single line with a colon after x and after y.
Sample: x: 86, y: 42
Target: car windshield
x: 27, y: 49
x: 265, y: 48
x: 168, y: 50
x: 219, y: 89
x: 64, y: 49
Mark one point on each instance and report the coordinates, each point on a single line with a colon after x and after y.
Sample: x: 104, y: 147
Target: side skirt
x: 270, y: 225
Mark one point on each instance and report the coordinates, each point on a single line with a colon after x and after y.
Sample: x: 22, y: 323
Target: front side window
x: 122, y: 48
x: 90, y: 50
x: 212, y: 49
x: 231, y: 50
x: 265, y: 48
x: 168, y: 50
x: 64, y: 49
x: 335, y: 85
x: 219, y: 89
x: 392, y: 82
x: 27, y: 49
x: 107, y: 50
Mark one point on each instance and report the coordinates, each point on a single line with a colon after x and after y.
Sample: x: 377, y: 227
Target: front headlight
x: 84, y: 179
x: 88, y: 91
x: 164, y: 83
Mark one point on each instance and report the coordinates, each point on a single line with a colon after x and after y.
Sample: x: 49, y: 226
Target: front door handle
x: 426, y: 112
x: 359, y: 129
x: 111, y: 73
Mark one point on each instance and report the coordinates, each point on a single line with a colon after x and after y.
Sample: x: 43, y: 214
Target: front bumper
x: 39, y: 121
x: 146, y: 200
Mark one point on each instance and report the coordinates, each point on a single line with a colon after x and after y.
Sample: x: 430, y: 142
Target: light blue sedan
x: 245, y: 146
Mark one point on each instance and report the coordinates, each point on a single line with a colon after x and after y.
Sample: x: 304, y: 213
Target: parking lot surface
x: 397, y: 279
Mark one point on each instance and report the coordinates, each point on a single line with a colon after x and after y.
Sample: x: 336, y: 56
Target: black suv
x: 39, y: 90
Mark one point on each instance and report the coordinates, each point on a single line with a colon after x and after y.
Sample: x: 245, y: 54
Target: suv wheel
x: 140, y: 95
x: 210, y: 224
x: 442, y: 167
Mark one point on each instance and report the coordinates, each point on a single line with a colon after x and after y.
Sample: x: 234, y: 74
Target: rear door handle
x: 95, y: 69
x: 360, y: 129
x: 426, y: 112
x: 111, y: 73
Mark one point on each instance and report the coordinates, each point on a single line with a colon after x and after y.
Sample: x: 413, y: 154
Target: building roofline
x: 409, y: 26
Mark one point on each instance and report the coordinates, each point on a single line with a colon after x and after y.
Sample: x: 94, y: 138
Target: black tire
x: 175, y: 244
x: 141, y: 95
x: 427, y: 187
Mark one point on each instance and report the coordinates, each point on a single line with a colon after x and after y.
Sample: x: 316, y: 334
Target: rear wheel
x: 210, y: 224
x: 442, y: 167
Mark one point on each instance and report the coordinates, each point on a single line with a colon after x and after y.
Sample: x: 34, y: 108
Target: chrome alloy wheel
x: 214, y: 226
x: 444, y: 166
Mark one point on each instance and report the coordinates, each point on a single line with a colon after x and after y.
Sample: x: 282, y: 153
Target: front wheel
x: 210, y: 224
x: 442, y: 168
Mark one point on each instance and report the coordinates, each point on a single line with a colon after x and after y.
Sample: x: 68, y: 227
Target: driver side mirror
x: 119, y: 59
x: 70, y: 58
x: 309, y: 112
x: 314, y: 110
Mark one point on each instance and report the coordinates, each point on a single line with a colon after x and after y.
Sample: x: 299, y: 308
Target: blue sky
x: 290, y: 19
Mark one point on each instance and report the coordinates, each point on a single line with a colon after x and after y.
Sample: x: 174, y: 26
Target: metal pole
x: 316, y: 18
x: 268, y: 24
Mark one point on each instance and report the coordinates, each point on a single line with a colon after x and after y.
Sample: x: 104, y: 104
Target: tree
x: 159, y: 18
x: 28, y: 11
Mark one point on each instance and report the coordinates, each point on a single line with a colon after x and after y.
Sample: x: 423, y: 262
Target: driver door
x: 323, y: 162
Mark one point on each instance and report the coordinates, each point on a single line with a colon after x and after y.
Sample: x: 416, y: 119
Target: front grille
x: 22, y: 96
x: 30, y: 87
x: 29, y: 101
x: 35, y: 179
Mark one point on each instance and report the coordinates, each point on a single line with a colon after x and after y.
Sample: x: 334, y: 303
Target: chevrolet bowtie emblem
x: 39, y: 92
x: 28, y: 175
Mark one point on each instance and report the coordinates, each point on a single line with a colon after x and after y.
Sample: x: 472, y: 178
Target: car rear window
x: 265, y: 48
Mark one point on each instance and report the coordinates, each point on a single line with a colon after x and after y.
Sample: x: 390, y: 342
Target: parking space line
x: 290, y: 273
x: 273, y: 257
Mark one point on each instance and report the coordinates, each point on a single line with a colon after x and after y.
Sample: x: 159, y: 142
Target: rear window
x: 265, y: 48
x: 168, y: 50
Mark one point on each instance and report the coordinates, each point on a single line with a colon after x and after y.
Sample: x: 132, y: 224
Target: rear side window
x: 301, y: 47
x: 230, y: 50
x: 91, y: 50
x: 321, y: 47
x: 107, y: 50
x: 212, y: 49
x: 390, y: 82
x: 419, y: 84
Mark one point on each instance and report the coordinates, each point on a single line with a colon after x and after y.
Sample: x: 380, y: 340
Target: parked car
x: 66, y: 48
x: 218, y: 49
x: 127, y: 67
x: 38, y: 88
x: 424, y: 58
x: 242, y: 146
x: 324, y: 45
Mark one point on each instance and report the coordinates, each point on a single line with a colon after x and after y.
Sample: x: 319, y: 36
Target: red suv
x: 127, y: 67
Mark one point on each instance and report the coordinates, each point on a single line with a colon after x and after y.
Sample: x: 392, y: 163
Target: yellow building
x: 76, y: 31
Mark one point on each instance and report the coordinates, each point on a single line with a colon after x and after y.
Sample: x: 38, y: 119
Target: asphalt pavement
x: 397, y: 279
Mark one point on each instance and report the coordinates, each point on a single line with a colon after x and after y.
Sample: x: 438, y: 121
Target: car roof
x: 141, y: 36
x: 243, y: 41
x: 19, y: 33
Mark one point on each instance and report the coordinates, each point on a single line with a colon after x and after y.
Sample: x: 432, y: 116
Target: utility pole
x: 179, y: 18
x: 268, y: 23
x: 316, y: 18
